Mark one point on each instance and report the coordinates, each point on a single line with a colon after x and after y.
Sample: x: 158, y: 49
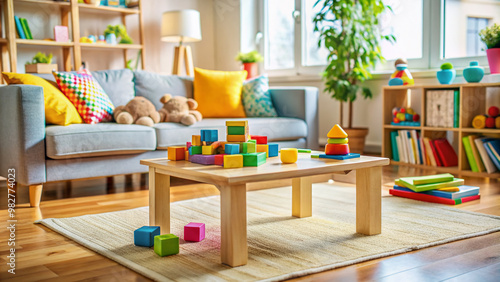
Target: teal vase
x: 446, y: 76
x: 474, y: 73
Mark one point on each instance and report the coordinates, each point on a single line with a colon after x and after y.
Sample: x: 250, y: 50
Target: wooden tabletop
x: 273, y: 169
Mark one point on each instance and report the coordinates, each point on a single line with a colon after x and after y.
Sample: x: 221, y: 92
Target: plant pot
x: 252, y: 69
x: 474, y: 73
x: 446, y: 76
x: 40, y: 68
x: 493, y: 55
x: 357, y: 138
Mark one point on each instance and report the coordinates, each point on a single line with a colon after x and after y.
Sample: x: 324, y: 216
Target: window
x: 428, y: 33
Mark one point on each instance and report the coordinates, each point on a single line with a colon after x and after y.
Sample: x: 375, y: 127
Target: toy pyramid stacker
x: 338, y: 145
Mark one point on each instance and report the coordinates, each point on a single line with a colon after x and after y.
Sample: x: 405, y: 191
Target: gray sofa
x: 42, y: 153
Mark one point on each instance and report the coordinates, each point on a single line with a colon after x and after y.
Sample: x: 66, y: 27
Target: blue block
x: 232, y: 149
x: 273, y: 149
x: 339, y: 157
x: 145, y: 236
x: 209, y: 135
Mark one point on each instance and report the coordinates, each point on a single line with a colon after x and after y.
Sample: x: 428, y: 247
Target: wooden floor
x: 44, y: 255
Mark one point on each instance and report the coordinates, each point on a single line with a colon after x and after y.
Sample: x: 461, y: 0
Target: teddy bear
x: 137, y: 111
x: 179, y: 109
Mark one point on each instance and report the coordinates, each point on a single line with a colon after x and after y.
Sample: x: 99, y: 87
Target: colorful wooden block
x: 274, y: 149
x: 209, y: 135
x: 194, y: 232
x: 219, y: 159
x: 237, y: 138
x: 289, y: 155
x: 145, y: 236
x: 232, y: 149
x: 233, y: 161
x: 176, y: 153
x: 254, y: 159
x: 166, y: 245
x: 248, y: 147
x: 263, y: 148
x: 188, y: 144
x: 196, y: 140
x: 207, y: 150
x: 195, y: 150
x: 304, y: 150
x: 202, y: 159
x: 339, y: 157
x: 337, y: 132
x: 337, y: 149
x: 338, y: 140
x: 186, y: 157
x: 237, y: 123
x: 237, y: 130
x: 259, y: 139
x: 315, y: 156
x: 252, y: 141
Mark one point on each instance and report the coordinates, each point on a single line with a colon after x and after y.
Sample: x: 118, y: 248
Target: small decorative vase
x: 252, y: 69
x: 474, y: 73
x: 493, y: 55
x: 111, y: 38
x: 446, y: 76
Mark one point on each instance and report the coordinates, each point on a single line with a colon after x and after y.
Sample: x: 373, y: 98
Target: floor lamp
x: 181, y: 27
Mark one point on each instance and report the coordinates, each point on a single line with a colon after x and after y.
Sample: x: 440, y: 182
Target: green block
x: 315, y: 156
x: 338, y: 140
x: 248, y: 147
x: 236, y: 130
x: 196, y: 150
x: 304, y: 150
x: 254, y: 159
x: 166, y: 245
x: 252, y: 141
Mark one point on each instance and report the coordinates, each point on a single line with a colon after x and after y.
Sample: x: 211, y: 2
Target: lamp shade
x: 181, y: 26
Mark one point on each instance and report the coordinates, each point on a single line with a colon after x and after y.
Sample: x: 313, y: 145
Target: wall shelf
x: 92, y: 8
x: 110, y: 46
x: 43, y: 43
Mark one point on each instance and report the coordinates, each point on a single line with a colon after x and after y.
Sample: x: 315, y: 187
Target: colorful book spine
x: 430, y: 155
x: 432, y: 186
x: 431, y: 199
x: 488, y: 164
x: 494, y: 156
x: 19, y: 28
x: 434, y: 152
x: 468, y: 153
x: 475, y: 153
x: 26, y: 28
x: 456, y: 109
x: 394, y: 145
x: 462, y: 191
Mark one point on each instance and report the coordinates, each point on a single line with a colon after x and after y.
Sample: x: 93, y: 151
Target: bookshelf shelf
x: 45, y: 2
x: 472, y: 102
x: 123, y: 11
x: 43, y: 42
x: 110, y: 46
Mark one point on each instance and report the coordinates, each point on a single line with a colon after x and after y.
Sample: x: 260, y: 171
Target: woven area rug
x: 280, y: 246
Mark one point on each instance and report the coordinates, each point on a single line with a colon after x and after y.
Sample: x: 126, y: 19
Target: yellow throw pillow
x: 218, y: 93
x: 58, y: 109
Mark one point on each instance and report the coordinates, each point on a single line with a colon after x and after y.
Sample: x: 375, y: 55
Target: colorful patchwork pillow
x: 257, y: 99
x: 86, y: 95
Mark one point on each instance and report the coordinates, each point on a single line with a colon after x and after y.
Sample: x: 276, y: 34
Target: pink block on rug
x: 194, y: 232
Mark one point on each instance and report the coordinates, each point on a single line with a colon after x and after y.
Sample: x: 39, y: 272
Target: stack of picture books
x: 440, y: 188
x: 409, y: 147
x: 483, y: 153
x: 22, y: 27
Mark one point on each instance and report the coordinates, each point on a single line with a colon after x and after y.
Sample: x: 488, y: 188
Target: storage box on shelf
x: 70, y: 15
x: 472, y: 101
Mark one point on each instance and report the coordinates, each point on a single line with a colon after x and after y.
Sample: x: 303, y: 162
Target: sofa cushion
x: 153, y: 86
x: 276, y: 129
x: 88, y: 140
x: 118, y: 84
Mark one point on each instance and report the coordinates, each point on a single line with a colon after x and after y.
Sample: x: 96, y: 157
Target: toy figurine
x: 402, y: 75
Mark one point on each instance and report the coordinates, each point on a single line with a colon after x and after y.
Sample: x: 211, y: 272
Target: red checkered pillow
x: 87, y: 95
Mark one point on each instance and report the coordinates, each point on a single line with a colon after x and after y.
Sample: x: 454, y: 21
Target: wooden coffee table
x: 232, y: 186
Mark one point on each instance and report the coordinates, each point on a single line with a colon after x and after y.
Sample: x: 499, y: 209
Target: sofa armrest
x: 22, y: 138
x: 299, y: 102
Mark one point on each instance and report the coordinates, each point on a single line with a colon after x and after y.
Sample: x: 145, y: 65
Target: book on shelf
x: 475, y: 153
x: 19, y: 28
x: 488, y: 163
x: 431, y: 153
x: 446, y: 153
x: 468, y: 153
x: 493, y: 150
x: 456, y: 108
x: 395, y: 154
x: 26, y: 28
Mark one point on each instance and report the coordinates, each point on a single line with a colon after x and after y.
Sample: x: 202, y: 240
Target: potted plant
x: 249, y: 61
x: 447, y: 74
x: 117, y: 31
x: 41, y: 63
x: 491, y: 37
x: 349, y: 30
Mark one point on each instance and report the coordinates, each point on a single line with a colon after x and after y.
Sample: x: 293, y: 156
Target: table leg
x: 302, y: 196
x: 159, y: 200
x: 369, y: 200
x: 233, y: 203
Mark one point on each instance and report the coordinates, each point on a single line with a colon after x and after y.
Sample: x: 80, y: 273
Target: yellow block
x: 176, y: 153
x: 186, y: 155
x: 263, y: 148
x: 237, y: 123
x: 233, y: 161
x: 237, y: 138
x: 196, y: 140
x: 337, y: 132
x: 207, y: 150
x: 289, y: 155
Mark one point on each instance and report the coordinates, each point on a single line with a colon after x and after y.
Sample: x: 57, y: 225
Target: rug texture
x: 280, y: 246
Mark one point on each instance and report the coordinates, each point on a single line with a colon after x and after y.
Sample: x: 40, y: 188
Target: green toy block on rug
x: 254, y: 159
x: 166, y: 245
x: 236, y: 130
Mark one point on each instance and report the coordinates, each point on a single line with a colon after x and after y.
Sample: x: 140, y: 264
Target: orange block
x: 337, y: 149
x: 176, y: 153
x: 237, y: 138
x: 337, y: 132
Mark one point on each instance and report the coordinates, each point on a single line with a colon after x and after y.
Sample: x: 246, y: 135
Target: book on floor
x: 464, y: 191
x: 425, y: 187
x: 432, y: 199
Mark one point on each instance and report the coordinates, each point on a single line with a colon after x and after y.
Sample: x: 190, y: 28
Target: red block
x: 337, y: 149
x: 259, y: 139
x: 219, y: 159
x: 176, y: 153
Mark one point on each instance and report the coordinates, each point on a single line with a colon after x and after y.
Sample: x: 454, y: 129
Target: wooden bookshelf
x: 472, y: 103
x: 70, y: 17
